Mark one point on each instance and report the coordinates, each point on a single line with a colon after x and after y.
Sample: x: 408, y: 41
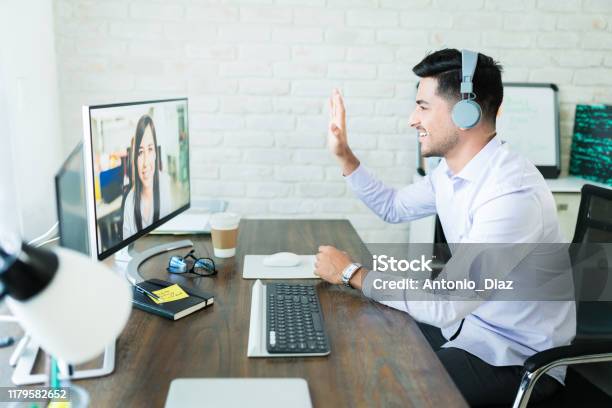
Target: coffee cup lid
x: 224, y: 220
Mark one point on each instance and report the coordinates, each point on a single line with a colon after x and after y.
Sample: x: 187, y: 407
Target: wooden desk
x: 378, y: 355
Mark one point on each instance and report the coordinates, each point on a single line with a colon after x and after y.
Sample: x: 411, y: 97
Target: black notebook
x: 171, y: 310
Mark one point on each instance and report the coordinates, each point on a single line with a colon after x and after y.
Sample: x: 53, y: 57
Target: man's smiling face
x: 432, y: 119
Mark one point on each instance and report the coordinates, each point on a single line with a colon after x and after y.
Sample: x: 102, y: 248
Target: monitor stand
x: 135, y: 259
x: 24, y: 357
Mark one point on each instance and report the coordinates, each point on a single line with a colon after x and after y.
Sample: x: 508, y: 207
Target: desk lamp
x: 70, y: 305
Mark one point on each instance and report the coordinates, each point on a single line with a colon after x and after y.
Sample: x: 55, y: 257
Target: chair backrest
x: 441, y: 252
x: 594, y: 223
x: 439, y: 237
x: 593, y: 226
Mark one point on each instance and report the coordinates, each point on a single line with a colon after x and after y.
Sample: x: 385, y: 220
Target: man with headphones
x: 484, y: 193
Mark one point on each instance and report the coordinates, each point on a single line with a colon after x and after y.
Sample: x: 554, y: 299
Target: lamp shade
x: 81, y: 310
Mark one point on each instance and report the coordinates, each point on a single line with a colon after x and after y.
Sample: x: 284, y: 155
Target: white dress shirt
x: 498, y: 197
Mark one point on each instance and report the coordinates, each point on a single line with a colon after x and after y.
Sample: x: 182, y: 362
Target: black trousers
x: 480, y: 383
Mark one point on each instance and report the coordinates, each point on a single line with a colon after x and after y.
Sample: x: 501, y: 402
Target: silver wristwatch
x: 348, y: 273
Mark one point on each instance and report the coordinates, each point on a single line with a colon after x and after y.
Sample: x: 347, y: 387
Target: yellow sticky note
x: 169, y: 294
x: 59, y: 404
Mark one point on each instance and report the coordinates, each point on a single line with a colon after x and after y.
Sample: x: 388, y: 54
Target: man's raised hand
x: 336, y: 138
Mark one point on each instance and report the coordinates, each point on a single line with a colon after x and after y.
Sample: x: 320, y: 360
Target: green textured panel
x: 591, y: 155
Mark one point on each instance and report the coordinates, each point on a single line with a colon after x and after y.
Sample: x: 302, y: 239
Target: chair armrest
x: 545, y: 357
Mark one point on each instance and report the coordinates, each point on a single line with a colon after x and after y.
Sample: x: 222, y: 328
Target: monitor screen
x: 71, y: 203
x: 140, y: 168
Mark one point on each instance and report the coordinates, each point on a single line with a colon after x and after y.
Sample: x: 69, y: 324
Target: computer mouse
x: 282, y: 259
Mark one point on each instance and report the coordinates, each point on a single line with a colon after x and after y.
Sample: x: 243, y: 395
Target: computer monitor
x: 72, y: 203
x: 136, y: 169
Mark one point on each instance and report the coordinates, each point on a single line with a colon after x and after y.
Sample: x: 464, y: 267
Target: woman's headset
x: 466, y: 113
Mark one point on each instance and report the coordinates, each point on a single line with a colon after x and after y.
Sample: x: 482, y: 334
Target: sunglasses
x: 200, y: 266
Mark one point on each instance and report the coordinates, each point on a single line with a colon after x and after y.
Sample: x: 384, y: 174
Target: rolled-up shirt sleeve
x: 409, y: 203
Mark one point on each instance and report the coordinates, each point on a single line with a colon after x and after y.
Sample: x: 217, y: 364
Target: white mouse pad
x: 254, y: 268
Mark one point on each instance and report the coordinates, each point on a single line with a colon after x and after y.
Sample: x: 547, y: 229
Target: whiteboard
x: 528, y: 120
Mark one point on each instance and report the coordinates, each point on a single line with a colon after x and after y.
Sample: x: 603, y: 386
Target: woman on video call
x: 147, y: 200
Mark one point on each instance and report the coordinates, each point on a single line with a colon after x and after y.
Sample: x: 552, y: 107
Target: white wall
x: 257, y: 73
x: 29, y: 104
x: 10, y: 223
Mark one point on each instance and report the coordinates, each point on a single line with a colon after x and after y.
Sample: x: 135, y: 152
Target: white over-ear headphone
x: 466, y: 113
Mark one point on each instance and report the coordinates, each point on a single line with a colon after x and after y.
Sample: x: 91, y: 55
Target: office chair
x: 593, y: 342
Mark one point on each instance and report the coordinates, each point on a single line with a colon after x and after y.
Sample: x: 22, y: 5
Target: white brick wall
x: 258, y: 72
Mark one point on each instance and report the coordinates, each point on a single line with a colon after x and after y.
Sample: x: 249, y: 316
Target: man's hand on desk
x: 331, y: 262
x: 337, y: 139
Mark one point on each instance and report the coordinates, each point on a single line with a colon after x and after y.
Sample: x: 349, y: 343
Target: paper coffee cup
x: 224, y: 231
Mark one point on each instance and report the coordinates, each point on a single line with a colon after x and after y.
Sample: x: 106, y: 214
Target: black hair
x: 141, y: 126
x: 445, y: 67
